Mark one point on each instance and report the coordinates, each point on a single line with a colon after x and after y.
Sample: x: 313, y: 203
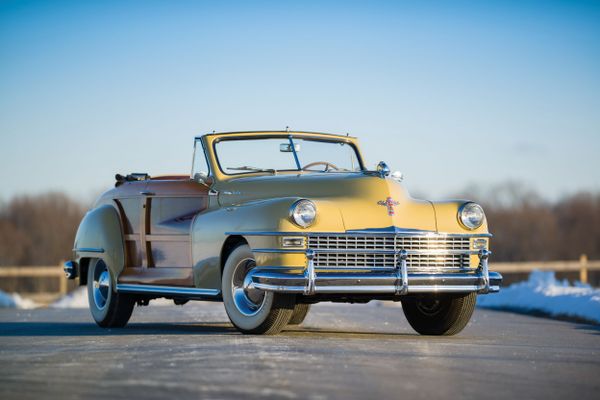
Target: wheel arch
x: 230, y: 244
x: 84, y: 266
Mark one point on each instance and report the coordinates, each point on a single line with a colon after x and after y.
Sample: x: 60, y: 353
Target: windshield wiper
x: 252, y: 169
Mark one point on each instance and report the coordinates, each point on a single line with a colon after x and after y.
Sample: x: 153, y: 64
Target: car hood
x: 364, y: 201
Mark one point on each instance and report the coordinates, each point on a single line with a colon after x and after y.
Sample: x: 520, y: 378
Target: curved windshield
x: 268, y: 154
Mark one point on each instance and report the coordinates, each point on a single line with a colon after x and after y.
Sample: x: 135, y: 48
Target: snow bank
x: 79, y: 299
x: 76, y: 299
x: 15, y: 301
x: 544, y: 293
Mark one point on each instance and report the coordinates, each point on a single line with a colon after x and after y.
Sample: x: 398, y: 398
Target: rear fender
x: 100, y: 236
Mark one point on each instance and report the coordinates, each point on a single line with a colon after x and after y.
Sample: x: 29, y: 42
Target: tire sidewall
x: 452, y: 318
x: 240, y: 320
x: 99, y: 315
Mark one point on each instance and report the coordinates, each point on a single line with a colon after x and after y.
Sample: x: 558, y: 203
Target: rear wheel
x: 109, y: 308
x: 300, y: 312
x: 440, y: 314
x: 250, y: 310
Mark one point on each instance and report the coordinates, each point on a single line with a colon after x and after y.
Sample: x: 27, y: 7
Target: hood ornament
x: 389, y: 203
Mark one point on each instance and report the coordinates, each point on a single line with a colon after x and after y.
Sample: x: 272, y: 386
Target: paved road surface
x: 342, y: 352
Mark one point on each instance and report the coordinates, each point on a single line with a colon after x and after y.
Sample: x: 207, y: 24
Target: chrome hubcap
x: 101, y: 286
x: 248, y: 301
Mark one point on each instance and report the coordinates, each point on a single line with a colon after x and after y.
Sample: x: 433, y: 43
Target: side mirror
x: 383, y: 169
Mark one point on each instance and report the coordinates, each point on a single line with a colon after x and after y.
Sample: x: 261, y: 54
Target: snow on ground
x: 79, y: 299
x: 15, y: 301
x: 76, y: 299
x: 543, y: 293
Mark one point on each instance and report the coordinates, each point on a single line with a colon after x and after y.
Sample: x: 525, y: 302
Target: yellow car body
x: 171, y: 236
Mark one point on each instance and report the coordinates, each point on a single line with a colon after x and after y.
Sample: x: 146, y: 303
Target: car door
x: 157, y: 216
x: 171, y: 206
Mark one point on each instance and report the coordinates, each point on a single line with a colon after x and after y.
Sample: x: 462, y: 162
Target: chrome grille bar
x: 380, y: 252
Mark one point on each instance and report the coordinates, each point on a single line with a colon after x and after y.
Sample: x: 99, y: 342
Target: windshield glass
x: 239, y: 156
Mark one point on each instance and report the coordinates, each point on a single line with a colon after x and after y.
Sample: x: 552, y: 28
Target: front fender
x: 446, y: 213
x: 100, y: 236
x: 211, y: 229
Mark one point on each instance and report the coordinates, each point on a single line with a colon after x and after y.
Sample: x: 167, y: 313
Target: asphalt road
x: 341, y: 352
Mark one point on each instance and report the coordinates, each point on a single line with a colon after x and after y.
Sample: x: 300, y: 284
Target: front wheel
x: 439, y: 314
x: 109, y: 308
x: 251, y: 310
x: 300, y: 312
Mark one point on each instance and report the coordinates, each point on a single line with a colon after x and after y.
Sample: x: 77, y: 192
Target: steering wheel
x: 327, y: 165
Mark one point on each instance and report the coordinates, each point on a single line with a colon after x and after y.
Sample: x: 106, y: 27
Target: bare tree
x: 528, y: 228
x: 38, y: 230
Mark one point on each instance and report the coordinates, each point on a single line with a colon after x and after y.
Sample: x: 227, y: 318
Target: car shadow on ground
x: 91, y: 329
x: 65, y: 329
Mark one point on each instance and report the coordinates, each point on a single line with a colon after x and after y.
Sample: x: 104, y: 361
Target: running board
x: 174, y: 291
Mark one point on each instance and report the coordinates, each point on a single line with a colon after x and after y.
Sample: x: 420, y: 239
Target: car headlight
x: 471, y: 216
x: 303, y: 213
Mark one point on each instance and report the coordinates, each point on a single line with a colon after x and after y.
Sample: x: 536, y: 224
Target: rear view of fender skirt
x: 373, y: 282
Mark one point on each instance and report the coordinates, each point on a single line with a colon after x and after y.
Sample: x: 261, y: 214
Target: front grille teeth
x: 415, y: 262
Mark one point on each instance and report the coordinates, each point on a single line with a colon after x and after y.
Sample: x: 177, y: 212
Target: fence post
x: 583, y: 272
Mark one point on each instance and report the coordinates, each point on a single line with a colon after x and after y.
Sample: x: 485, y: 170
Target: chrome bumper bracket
x: 310, y: 274
x: 402, y: 274
x: 483, y: 269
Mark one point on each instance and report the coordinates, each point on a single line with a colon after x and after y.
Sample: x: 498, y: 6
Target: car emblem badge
x: 389, y: 203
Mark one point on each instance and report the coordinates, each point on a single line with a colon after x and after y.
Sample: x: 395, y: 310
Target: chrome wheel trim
x: 248, y: 302
x: 101, y: 286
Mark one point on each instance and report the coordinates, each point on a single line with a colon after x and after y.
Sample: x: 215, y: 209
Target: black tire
x: 109, y: 308
x: 252, y: 312
x: 439, y: 315
x: 299, y: 314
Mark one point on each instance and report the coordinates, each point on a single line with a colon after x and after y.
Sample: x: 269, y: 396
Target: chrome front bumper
x: 398, y: 282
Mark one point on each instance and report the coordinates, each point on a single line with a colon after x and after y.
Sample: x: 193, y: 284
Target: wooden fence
x: 48, y: 283
x: 582, y: 267
x: 42, y: 284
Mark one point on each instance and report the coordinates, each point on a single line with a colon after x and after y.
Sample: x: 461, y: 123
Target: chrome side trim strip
x: 89, y: 249
x: 286, y: 250
x: 166, y: 290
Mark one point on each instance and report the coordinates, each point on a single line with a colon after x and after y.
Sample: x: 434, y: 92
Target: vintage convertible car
x: 272, y: 222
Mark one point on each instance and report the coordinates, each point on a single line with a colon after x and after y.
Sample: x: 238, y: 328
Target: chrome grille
x: 357, y: 259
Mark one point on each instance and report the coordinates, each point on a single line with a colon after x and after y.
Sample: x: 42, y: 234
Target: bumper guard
x: 398, y: 282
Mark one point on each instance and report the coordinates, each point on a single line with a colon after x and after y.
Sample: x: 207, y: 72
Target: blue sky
x: 450, y: 93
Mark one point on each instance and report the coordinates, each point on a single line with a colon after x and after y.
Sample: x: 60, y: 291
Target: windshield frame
x: 290, y: 137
